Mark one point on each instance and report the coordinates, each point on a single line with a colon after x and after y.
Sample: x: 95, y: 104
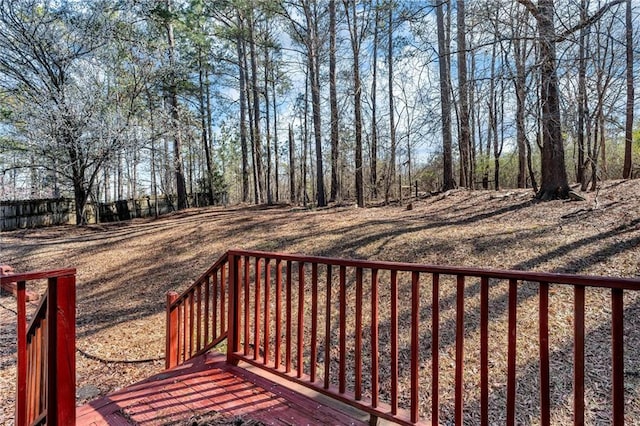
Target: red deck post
x: 578, y: 355
x: 617, y: 349
x: 171, y: 342
x: 233, y: 335
x: 61, y: 383
x: 459, y: 374
x: 21, y: 397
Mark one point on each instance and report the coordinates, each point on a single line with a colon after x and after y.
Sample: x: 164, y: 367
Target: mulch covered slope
x: 125, y: 269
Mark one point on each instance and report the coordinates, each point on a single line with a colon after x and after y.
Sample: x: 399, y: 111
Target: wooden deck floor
x: 208, y: 384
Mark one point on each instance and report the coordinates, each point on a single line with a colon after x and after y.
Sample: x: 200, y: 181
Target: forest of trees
x: 313, y: 101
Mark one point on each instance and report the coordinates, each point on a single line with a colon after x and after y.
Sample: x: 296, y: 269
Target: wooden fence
x: 50, y: 212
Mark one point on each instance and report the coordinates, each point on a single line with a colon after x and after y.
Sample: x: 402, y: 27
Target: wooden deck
x: 208, y: 384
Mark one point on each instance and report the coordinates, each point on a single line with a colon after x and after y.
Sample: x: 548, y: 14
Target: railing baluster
x: 207, y: 315
x: 358, y: 336
x: 223, y: 297
x: 545, y: 389
x: 435, y: 350
x: 183, y: 331
x: 394, y: 342
x: 43, y: 361
x: 216, y: 321
x: 578, y: 356
x: 511, y: 353
x: 256, y: 309
x: 415, y: 350
x: 327, y: 331
x: 21, y: 400
x: 375, y: 385
x: 191, y: 321
x: 246, y: 268
x: 314, y: 320
x: 484, y: 351
x: 31, y: 383
x: 459, y: 393
x: 278, y: 326
x: 287, y: 366
x: 198, y: 319
x: 41, y: 365
x: 34, y: 370
x: 342, y: 368
x: 267, y: 308
x: 617, y: 352
x: 300, y: 339
x: 178, y: 332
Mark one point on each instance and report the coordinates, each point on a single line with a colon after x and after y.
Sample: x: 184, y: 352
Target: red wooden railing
x: 46, y: 382
x: 196, y: 319
x: 368, y: 340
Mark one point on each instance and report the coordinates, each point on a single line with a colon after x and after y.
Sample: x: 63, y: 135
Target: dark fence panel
x: 62, y: 211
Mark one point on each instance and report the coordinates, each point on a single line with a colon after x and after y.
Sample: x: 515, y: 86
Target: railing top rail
x: 546, y: 277
x: 37, y: 275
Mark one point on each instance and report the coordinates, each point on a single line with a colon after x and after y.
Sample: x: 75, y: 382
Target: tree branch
x: 593, y: 18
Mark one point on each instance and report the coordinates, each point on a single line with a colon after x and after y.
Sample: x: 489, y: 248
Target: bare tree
x: 554, y: 175
x: 62, y: 118
x: 628, y: 128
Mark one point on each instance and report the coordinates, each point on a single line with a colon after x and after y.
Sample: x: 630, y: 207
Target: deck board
x: 208, y: 384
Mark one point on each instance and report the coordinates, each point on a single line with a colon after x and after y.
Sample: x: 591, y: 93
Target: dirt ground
x: 125, y: 269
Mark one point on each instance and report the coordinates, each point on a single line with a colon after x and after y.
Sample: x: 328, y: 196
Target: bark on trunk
x: 554, y: 176
x: 448, y: 181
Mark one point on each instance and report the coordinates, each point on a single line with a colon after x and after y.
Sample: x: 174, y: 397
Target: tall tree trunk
x: 554, y: 176
x: 207, y: 90
x: 520, y: 81
x: 268, y: 124
x: 204, y: 127
x: 374, y: 117
x: 493, y: 120
x: 333, y: 102
x: 304, y: 135
x: 448, y: 181
x: 520, y: 53
x: 175, y: 117
x: 292, y: 168
x: 472, y: 125
x: 582, y: 96
x: 464, y: 141
x: 119, y: 176
x: 243, y: 111
x: 313, y: 43
x: 628, y: 126
x: 391, y: 174
x: 276, y: 153
x: 356, y: 40
x: 257, y: 144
